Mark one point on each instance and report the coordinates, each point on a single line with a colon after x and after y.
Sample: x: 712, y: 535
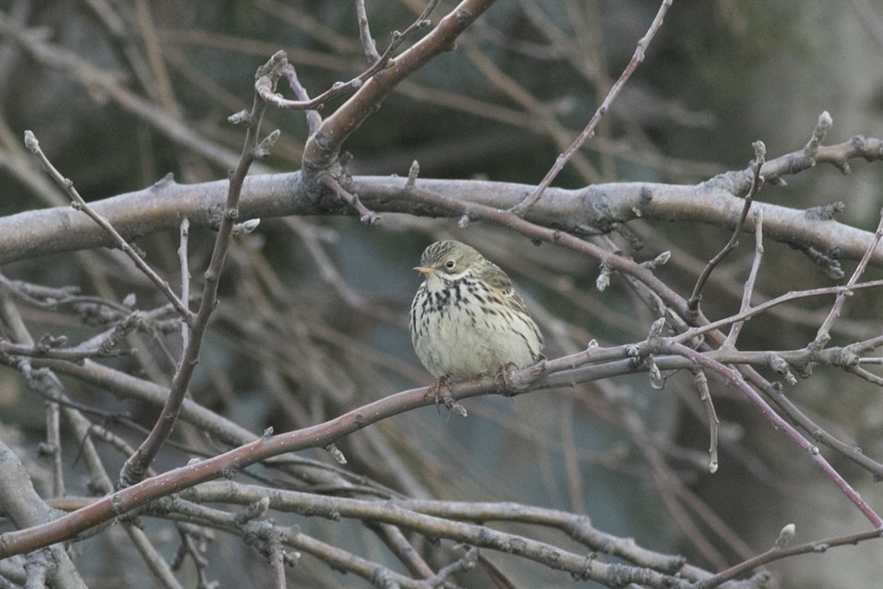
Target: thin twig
x: 368, y: 217
x: 340, y: 87
x: 778, y: 553
x: 81, y: 205
x: 734, y: 378
x: 756, y: 183
x: 368, y: 45
x: 713, y: 422
x: 823, y: 336
x: 521, y: 208
x: 787, y: 297
x: 736, y: 327
x: 136, y: 466
x: 325, y: 145
x: 848, y: 451
x: 314, y: 120
x: 398, y: 38
x: 185, y: 276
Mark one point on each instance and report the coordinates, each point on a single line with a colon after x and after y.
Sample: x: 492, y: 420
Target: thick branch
x: 160, y: 207
x: 23, y: 505
x: 322, y: 148
x: 592, y: 364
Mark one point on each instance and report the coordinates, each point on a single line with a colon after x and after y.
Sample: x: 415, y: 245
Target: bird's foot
x: 509, y: 383
x: 442, y: 392
x: 503, y: 381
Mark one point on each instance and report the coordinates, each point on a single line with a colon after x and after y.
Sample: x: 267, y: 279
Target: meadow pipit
x: 466, y: 319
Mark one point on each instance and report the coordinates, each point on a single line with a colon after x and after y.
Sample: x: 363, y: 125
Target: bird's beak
x: 425, y: 270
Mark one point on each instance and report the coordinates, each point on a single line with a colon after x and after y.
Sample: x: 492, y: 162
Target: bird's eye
x: 450, y: 264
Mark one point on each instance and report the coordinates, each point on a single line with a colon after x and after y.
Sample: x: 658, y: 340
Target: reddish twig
x: 779, y: 552
x: 734, y: 378
x: 325, y: 145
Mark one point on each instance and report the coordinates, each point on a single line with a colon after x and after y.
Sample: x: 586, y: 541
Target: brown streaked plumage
x: 466, y: 319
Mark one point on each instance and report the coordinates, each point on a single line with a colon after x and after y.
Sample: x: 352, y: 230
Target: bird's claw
x: 503, y: 381
x: 442, y: 393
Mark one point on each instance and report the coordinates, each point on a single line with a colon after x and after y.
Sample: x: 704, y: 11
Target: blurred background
x: 313, y: 313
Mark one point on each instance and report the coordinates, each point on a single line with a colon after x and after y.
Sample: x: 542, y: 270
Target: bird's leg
x: 446, y: 397
x: 503, y: 381
x: 509, y: 387
x: 435, y: 388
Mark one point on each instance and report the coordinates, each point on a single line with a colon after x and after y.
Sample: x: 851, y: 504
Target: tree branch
x: 588, y: 210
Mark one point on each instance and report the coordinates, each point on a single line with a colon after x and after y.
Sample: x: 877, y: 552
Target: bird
x: 466, y: 319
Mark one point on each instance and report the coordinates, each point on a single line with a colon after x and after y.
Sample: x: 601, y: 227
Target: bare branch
x: 705, y: 396
x: 779, y: 553
x: 324, y: 146
x: 756, y: 183
x: 368, y: 45
x: 824, y: 335
x: 136, y: 466
x: 521, y: 208
x: 748, y: 289
x: 81, y: 205
x: 783, y: 425
x: 368, y: 217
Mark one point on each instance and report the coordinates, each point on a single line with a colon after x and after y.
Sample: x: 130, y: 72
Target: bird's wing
x: 499, y: 281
